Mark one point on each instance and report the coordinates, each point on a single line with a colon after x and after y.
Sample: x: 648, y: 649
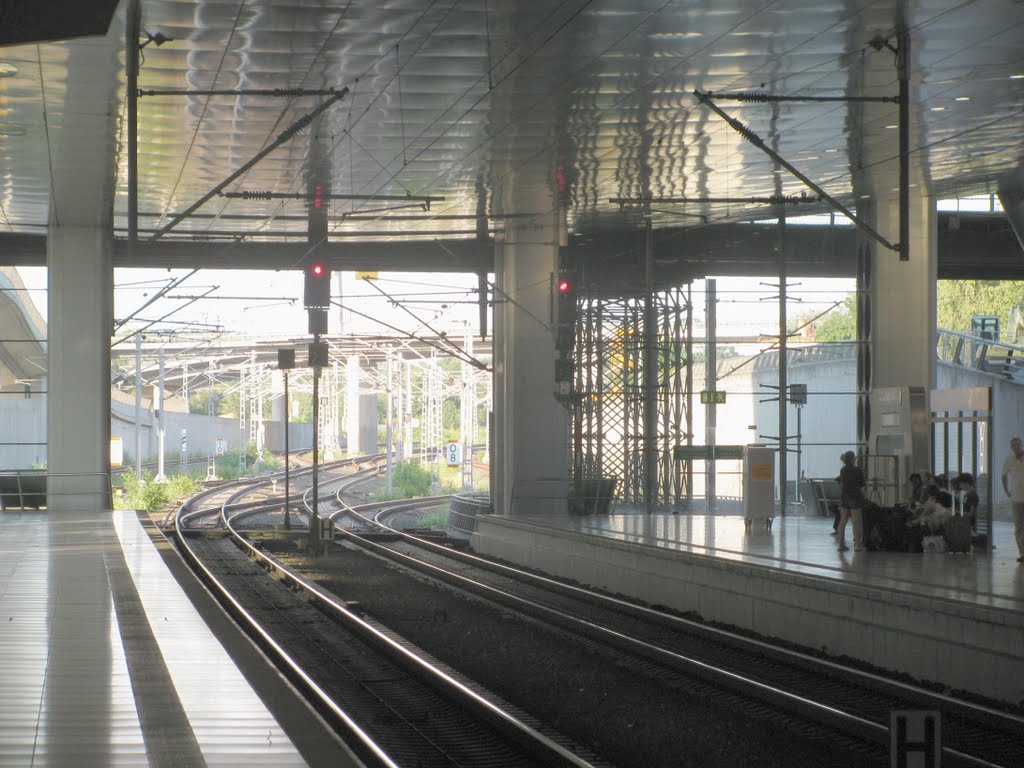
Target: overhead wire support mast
x: 285, y: 135
x: 756, y: 140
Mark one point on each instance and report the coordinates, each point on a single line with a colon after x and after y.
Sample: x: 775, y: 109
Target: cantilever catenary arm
x: 287, y: 134
x: 756, y: 140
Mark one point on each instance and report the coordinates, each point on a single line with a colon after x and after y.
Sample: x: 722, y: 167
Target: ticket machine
x: 758, y: 486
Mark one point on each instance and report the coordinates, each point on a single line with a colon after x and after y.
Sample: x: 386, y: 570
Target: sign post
x: 286, y: 361
x: 915, y: 732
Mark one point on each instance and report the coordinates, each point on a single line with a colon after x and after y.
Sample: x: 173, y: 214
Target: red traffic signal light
x: 317, y: 291
x: 565, y: 312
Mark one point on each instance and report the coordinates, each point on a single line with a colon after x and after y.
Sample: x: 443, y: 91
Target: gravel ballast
x: 627, y: 717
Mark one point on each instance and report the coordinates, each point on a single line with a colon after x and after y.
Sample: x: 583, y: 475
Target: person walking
x: 851, y: 502
x: 1013, y: 485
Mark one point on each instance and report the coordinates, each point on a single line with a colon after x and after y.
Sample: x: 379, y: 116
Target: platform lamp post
x: 285, y: 362
x: 798, y: 397
x: 317, y: 360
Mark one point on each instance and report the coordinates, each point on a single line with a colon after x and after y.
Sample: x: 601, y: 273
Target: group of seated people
x: 926, y: 523
x: 932, y: 510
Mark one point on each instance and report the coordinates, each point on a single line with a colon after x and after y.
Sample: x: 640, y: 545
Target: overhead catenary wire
x: 459, y: 352
x: 171, y: 285
x: 446, y: 350
x: 488, y: 68
x: 159, y: 320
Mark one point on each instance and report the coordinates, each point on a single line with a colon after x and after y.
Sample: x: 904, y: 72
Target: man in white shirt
x: 1013, y: 484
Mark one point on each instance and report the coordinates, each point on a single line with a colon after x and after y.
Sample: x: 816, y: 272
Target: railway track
x: 392, y: 704
x: 810, y: 689
x: 805, y: 694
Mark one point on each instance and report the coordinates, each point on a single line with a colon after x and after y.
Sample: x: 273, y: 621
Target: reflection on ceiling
x: 457, y: 108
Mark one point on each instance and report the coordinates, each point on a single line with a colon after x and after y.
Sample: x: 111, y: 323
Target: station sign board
x: 704, y: 452
x: 712, y: 397
x: 452, y: 453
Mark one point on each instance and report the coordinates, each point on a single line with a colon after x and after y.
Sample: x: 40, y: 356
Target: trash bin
x: 592, y: 495
x: 605, y: 494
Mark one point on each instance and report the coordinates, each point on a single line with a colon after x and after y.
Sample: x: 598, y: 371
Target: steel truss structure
x: 610, y: 393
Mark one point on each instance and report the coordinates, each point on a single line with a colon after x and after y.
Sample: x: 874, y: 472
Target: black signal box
x: 318, y: 354
x: 317, y: 286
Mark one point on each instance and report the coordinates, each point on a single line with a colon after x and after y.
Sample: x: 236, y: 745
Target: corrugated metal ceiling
x: 456, y: 98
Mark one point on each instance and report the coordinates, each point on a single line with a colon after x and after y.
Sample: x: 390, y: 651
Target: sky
x: 268, y: 304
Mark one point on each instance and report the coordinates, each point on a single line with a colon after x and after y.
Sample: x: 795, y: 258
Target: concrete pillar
x: 80, y: 300
x: 352, y: 405
x: 80, y: 295
x: 278, y: 408
x: 368, y: 422
x: 902, y: 299
x: 897, y: 297
x: 532, y: 441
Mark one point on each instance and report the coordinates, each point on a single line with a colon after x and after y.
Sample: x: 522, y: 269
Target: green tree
x: 223, y: 404
x: 960, y: 300
x: 838, y: 325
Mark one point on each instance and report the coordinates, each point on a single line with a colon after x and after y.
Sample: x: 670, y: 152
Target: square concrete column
x: 80, y: 316
x: 902, y: 299
x: 897, y: 301
x: 532, y: 443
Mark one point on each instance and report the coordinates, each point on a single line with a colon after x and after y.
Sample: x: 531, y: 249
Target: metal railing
x: 464, y: 510
x: 987, y: 355
x: 28, y: 489
x: 883, y: 478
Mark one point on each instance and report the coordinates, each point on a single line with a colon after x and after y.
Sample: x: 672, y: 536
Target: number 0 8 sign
x: 452, y: 453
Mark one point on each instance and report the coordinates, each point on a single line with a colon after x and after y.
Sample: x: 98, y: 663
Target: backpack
x: 957, y: 532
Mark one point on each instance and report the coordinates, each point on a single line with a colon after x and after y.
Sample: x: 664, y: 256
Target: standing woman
x: 851, y: 504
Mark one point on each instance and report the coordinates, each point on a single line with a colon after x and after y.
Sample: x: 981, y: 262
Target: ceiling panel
x: 460, y: 98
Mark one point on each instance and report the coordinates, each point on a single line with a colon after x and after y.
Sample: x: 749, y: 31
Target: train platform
x: 951, y: 619
x: 107, y: 659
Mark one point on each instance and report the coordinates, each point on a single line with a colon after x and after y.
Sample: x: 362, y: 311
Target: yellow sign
x: 366, y: 275
x: 761, y: 471
x: 116, y: 451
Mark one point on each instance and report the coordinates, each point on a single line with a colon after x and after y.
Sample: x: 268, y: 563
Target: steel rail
x: 355, y: 730
x: 554, y: 753
x: 858, y: 726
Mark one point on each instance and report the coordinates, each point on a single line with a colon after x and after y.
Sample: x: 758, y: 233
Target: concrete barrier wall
x: 22, y: 421
x: 828, y: 417
x: 956, y: 644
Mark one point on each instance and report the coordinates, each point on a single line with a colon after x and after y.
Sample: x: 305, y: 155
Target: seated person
x: 945, y: 499
x: 935, y: 512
